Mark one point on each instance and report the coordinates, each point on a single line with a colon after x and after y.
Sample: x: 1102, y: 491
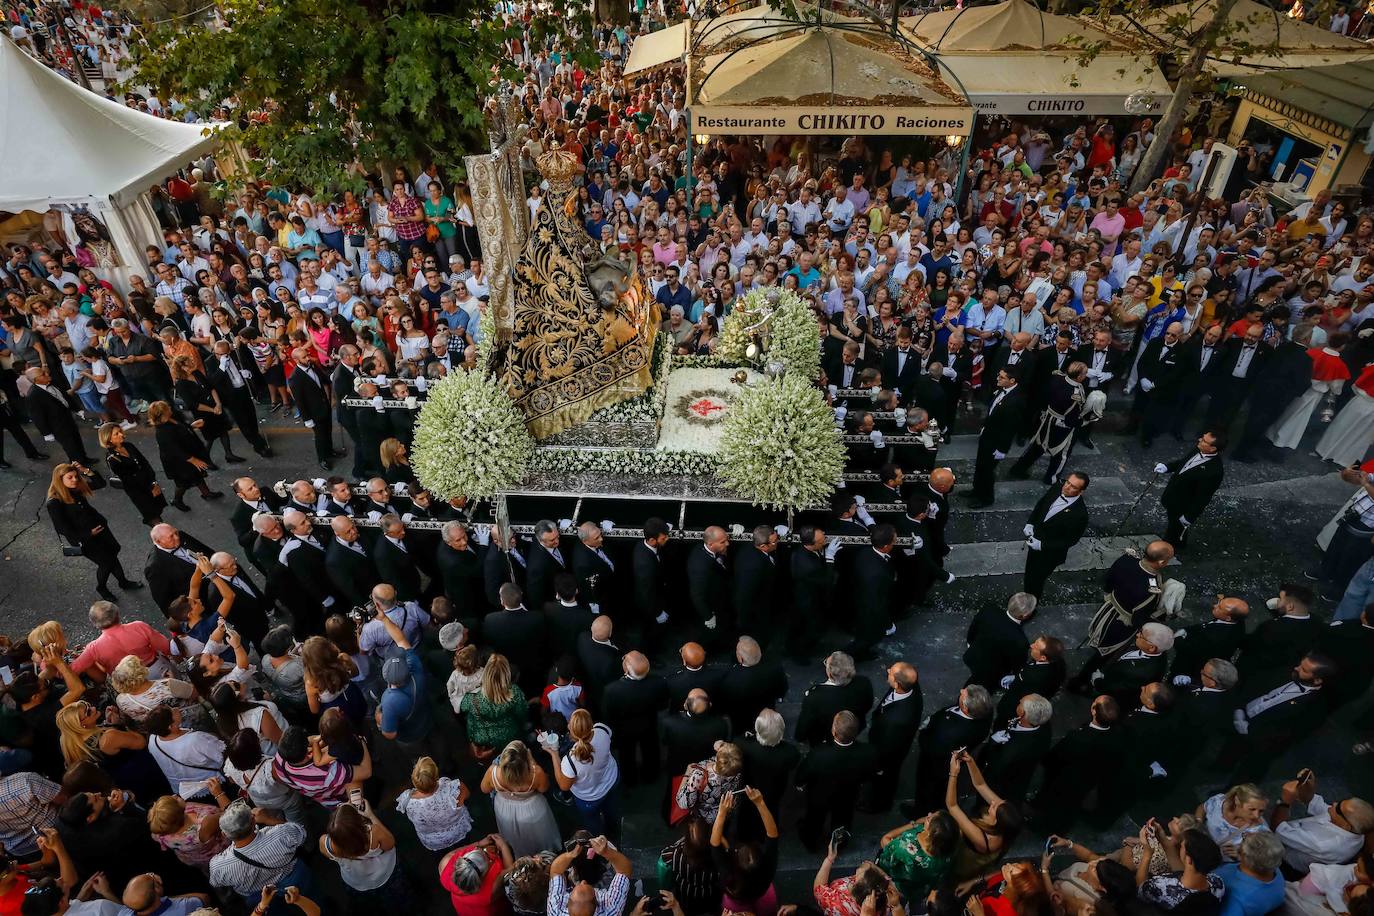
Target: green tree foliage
x: 347, y: 85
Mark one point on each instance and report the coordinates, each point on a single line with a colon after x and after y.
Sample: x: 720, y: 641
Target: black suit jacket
x: 832, y: 774
x: 597, y: 581
x: 905, y: 380
x: 632, y: 707
x: 1277, y: 645
x: 1003, y: 423
x: 769, y: 769
x: 397, y: 567
x: 241, y: 519
x: 1081, y: 761
x: 1281, y: 726
x: 1009, y: 767
x: 1123, y: 677
x: 344, y: 381
x: 600, y: 666
x: 51, y: 416
x: 353, y: 575
x: 308, y: 570
x: 945, y: 732
x: 691, y: 739
x: 875, y: 595
x: 647, y: 568
x: 893, y: 728
x: 1188, y: 492
x: 1166, y: 369
x: 169, y: 577
x: 522, y: 637
x: 1023, y: 371
x: 311, y: 397
x: 1350, y: 645
x: 834, y: 371
x: 997, y: 646
x: 823, y: 700
x: 566, y: 623
x: 754, y: 583
x: 1044, y: 678
x: 1230, y: 356
x: 249, y: 611
x: 1111, y: 362
x: 1203, y: 642
x: 540, y: 571
x: 1061, y: 532
x: 708, y: 583
x: 813, y: 581
x: 464, y: 578
x: 498, y: 568
x: 744, y: 692
x: 684, y: 680
x: 1195, y: 377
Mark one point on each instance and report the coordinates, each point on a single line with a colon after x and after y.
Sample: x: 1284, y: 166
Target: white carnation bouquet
x: 780, y: 447
x: 470, y: 439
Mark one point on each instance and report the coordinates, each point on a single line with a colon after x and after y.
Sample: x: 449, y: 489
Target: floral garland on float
x: 773, y: 325
x: 470, y: 439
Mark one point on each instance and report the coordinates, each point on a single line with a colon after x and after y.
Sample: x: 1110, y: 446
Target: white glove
x: 378, y: 405
x: 1365, y: 334
x: 1241, y: 723
x: 900, y: 416
x: 49, y: 438
x: 1000, y: 736
x: 422, y: 383
x: 841, y: 412
x: 711, y: 624
x: 606, y: 525
x: 412, y: 401
x: 877, y: 439
x: 782, y: 530
x: 1183, y: 520
x: 949, y: 578
x: 279, y: 488
x: 874, y: 392
x: 318, y: 483
x: 1094, y: 375
x: 917, y: 542
x: 309, y: 424
x: 1034, y: 543
x: 1105, y: 377
x: 662, y: 617
x: 484, y: 535
x: 998, y: 455
x: 1146, y: 385
x: 328, y: 602
x: 1272, y: 604
x: 1029, y: 530
x: 736, y: 529
x: 564, y: 524
x: 379, y: 381
x: 407, y: 517
x: 832, y: 389
x: 1096, y: 676
x: 865, y: 517
x: 1007, y: 681
x: 1161, y: 468
x: 948, y: 372
x: 831, y: 549
x: 1182, y: 680
x: 860, y: 501
x: 1157, y: 771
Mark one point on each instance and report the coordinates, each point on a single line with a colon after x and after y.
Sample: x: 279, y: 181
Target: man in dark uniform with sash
x: 1053, y: 435
x: 1133, y: 587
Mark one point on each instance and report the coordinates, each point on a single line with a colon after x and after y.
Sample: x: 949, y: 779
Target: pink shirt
x: 110, y: 647
x: 1111, y: 228
x: 665, y: 254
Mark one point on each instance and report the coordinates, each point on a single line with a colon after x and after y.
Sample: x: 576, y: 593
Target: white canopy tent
x: 705, y: 36
x: 65, y: 145
x: 1015, y: 59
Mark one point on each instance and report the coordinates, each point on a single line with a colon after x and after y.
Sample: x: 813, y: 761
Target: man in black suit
x: 650, y: 586
x: 752, y: 685
x: 1104, y: 364
x: 545, y: 560
x: 999, y: 431
x: 458, y: 562
x: 1077, y: 767
x: 1017, y: 358
x: 1012, y: 753
x: 708, y: 584
x: 248, y: 612
x: 690, y: 734
x: 339, y: 499
x: 595, y: 570
x: 936, y: 492
x: 52, y: 416
x: 395, y: 562
x: 344, y: 383
x: 1349, y: 644
x: 630, y: 706
x: 251, y: 501
x: 171, y: 563
x: 1243, y: 362
x: 1057, y: 522
x: 310, y: 391
x: 831, y: 776
x: 997, y: 641
x: 1200, y: 359
x: 936, y: 397
x: 1278, y: 718
x: 231, y: 383
x: 917, y: 457
x: 754, y: 583
x: 302, y: 554
x: 568, y: 616
x: 1279, y: 643
x: 963, y: 725
x: 813, y: 582
x: 1219, y: 637
x: 842, y: 689
x: 1160, y: 376
x: 1286, y: 374
x: 1154, y: 750
x: 1144, y: 663
x: 874, y: 573
x: 1057, y: 357
x: 373, y: 427
x: 693, y: 675
x: 522, y: 636
x: 599, y: 659
x: 896, y: 719
x: 844, y: 371
x: 1054, y: 428
x: 769, y: 759
x: 1206, y: 711
x: 503, y: 561
x: 1195, y: 478
x: 1043, y: 672
x: 350, y: 568
x: 902, y: 366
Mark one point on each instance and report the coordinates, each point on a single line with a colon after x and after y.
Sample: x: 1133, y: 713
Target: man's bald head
x: 582, y: 900
x: 1229, y: 607
x: 692, y: 654
x: 715, y: 537
x: 344, y: 528
x: 601, y: 628
x: 942, y: 480
x: 747, y: 651
x: 635, y: 664
x: 1021, y: 340
x: 698, y: 703
x: 1159, y: 553
x: 142, y: 892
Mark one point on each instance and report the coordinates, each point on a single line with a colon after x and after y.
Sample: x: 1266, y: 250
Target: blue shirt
x: 667, y: 298
x: 807, y: 279
x: 404, y: 710
x: 457, y: 321
x: 1247, y: 895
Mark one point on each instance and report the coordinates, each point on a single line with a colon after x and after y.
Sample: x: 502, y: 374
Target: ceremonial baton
x: 1131, y: 511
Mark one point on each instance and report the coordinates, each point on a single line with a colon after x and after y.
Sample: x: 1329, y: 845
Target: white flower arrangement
x: 699, y: 400
x: 623, y: 462
x: 780, y: 447
x: 734, y: 333
x: 486, y: 333
x: 470, y: 438
x: 794, y: 339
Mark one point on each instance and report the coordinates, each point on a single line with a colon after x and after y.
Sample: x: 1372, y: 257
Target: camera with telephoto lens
x: 360, y: 614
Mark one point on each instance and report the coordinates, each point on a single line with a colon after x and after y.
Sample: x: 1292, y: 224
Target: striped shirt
x: 266, y: 860
x: 25, y: 801
x: 327, y: 785
x: 609, y: 901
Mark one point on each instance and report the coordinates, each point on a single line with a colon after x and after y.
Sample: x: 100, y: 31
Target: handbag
x: 431, y: 233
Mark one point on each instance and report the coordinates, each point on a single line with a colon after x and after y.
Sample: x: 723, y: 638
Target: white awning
x: 666, y: 46
x: 1045, y: 84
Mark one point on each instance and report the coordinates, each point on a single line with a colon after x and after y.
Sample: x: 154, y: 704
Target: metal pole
x: 964, y: 157
x: 688, y: 174
x: 896, y: 11
x: 1212, y: 162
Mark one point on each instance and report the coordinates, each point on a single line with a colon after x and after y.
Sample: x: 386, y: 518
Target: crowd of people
x: 365, y: 647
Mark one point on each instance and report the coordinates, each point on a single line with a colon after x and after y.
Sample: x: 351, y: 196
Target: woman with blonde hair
x: 329, y: 681
x: 120, y: 752
x: 81, y: 525
x: 136, y: 471
x: 48, y: 633
x: 200, y: 399
x: 517, y: 786
x: 706, y: 782
x: 436, y: 806
x: 137, y: 696
x: 590, y: 772
x: 1229, y: 817
x: 190, y: 830
x: 396, y: 462
x: 185, y: 459
x: 496, y: 713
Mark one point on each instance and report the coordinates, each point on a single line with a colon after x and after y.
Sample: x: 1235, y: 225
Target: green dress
x: 444, y: 207
x: 912, y: 869
x: 495, y: 726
